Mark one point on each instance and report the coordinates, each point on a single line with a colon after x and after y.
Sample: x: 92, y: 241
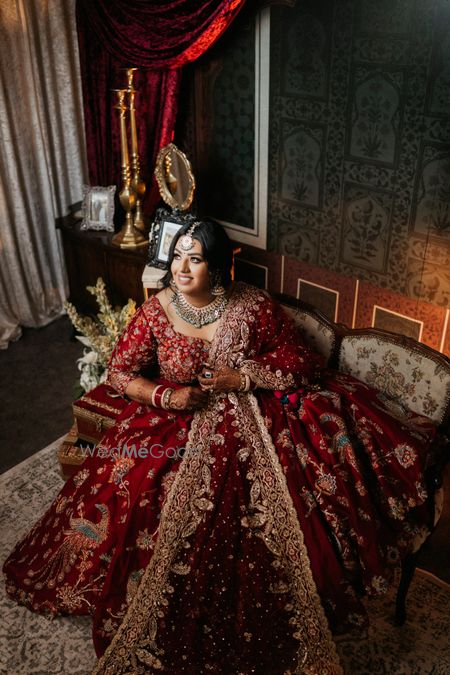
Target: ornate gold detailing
x: 128, y: 237
x: 99, y: 404
x: 272, y: 517
x: 199, y: 316
x: 100, y: 423
x: 82, y: 536
x: 137, y: 183
x: 134, y: 645
x: 269, y: 514
x: 267, y: 379
x: 175, y: 179
x: 171, y: 180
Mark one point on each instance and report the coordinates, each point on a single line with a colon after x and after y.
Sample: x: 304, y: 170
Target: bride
x: 243, y: 501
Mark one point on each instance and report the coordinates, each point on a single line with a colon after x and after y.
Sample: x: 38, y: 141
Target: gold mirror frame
x: 175, y: 179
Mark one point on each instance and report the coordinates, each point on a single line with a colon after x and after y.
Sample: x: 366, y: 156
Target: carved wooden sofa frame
x: 410, y: 377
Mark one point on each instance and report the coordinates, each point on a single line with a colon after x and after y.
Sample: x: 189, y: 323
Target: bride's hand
x: 223, y: 379
x: 187, y: 398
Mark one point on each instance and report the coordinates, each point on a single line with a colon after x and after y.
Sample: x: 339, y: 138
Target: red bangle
x: 156, y: 395
x: 161, y: 396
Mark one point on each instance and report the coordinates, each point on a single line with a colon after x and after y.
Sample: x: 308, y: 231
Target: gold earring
x: 217, y: 288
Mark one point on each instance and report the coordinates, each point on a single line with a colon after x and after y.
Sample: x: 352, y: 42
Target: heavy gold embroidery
x: 263, y: 377
x: 272, y: 517
x: 83, y: 536
x: 232, y: 343
x: 233, y: 337
x: 270, y: 514
x: 134, y: 647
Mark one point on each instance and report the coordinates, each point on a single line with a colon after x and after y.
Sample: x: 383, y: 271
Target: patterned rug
x: 31, y: 644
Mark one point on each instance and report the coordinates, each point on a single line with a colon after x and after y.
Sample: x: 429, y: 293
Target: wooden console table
x: 89, y: 255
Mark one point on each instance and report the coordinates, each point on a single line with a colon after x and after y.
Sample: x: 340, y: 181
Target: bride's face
x: 190, y: 270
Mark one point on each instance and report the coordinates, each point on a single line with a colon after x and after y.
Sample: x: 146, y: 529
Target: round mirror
x: 175, y: 178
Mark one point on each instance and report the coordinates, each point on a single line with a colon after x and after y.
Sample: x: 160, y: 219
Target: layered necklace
x: 199, y: 316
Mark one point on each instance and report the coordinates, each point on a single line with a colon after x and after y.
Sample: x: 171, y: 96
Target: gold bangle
x: 245, y: 382
x: 165, y: 398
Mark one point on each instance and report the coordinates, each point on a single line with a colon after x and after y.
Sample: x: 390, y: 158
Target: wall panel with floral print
x: 358, y: 182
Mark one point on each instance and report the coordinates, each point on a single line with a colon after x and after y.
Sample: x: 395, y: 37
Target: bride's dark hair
x: 217, y: 251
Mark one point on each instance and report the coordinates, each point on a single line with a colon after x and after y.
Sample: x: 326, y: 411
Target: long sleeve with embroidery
x: 134, y: 351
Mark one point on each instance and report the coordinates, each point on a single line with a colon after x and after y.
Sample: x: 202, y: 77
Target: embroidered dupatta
x: 229, y: 506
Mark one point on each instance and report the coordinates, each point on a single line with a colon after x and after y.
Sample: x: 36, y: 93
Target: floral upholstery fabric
x: 411, y: 379
x: 317, y: 334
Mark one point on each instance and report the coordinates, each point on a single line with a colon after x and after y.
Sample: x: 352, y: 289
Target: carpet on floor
x: 33, y: 644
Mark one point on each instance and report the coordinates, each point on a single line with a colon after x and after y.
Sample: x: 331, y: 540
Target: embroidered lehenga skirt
x: 236, y: 539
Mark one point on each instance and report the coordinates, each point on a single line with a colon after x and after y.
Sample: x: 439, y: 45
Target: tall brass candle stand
x: 137, y: 183
x: 128, y: 237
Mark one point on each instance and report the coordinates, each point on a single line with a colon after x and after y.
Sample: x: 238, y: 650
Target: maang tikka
x: 186, y: 241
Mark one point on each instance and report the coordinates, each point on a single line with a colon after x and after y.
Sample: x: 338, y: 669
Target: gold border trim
x: 179, y: 519
x: 101, y: 422
x: 97, y: 404
x: 324, y: 659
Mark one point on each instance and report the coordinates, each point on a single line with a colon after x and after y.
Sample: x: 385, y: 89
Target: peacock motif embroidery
x: 83, y: 536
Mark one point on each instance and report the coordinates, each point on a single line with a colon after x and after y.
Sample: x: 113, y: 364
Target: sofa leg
x: 408, y: 569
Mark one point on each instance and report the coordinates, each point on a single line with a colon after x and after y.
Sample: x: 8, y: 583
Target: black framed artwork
x: 164, y: 227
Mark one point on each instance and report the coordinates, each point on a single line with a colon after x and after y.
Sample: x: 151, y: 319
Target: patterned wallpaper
x: 359, y: 157
x: 360, y: 141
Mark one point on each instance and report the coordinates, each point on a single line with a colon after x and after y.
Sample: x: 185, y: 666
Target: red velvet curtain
x: 156, y: 37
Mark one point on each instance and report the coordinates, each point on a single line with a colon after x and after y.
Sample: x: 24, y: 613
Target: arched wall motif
x: 374, y: 124
x: 306, y: 70
x: 300, y: 168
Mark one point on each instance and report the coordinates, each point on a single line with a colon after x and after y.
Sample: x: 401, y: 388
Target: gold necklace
x: 199, y: 316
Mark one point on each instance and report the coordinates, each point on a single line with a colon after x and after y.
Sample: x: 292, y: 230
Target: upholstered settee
x: 409, y: 377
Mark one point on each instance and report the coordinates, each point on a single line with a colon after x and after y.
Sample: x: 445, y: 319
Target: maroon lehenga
x: 225, y: 541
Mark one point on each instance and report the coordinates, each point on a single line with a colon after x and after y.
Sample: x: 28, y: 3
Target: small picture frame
x: 98, y: 208
x: 164, y: 227
x: 168, y: 231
